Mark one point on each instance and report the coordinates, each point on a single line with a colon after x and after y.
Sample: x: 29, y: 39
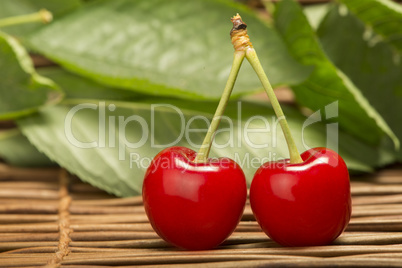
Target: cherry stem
x: 241, y: 42
x: 202, y: 155
x: 252, y: 57
x: 42, y: 15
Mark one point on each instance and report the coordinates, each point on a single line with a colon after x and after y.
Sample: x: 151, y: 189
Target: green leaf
x: 122, y: 137
x: 327, y: 83
x: 171, y: 48
x: 78, y: 87
x: 22, y: 90
x: 23, y: 7
x: 383, y: 17
x: 16, y: 150
x: 372, y: 63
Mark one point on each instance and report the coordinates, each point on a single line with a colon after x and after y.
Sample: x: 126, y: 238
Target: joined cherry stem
x: 42, y: 15
x: 244, y: 49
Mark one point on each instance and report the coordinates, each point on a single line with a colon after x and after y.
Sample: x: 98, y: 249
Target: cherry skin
x: 306, y: 204
x: 192, y: 205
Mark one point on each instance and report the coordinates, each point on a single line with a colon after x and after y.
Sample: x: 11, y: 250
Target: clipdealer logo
x: 237, y: 132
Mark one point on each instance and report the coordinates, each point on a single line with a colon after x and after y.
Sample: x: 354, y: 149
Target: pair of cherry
x: 195, y: 202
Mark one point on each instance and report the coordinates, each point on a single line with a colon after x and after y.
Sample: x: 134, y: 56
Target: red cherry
x: 306, y: 204
x: 193, y: 205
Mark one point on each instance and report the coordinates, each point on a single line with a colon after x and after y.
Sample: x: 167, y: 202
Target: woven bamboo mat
x: 49, y: 218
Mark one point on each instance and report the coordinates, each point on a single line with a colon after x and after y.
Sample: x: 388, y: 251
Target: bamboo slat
x: 51, y: 219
